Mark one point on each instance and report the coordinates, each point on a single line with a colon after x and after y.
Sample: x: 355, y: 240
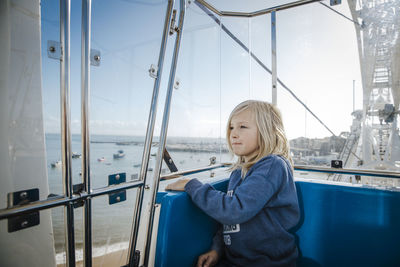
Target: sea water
x: 112, y: 224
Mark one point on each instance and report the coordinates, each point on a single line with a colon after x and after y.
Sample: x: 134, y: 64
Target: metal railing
x: 255, y: 13
x: 178, y: 174
x: 164, y: 127
x: 85, y: 137
x: 63, y: 200
x: 69, y: 199
x: 65, y: 22
x: 150, y: 132
x: 373, y: 173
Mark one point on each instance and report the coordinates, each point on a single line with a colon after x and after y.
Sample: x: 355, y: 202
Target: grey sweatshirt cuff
x: 192, y: 185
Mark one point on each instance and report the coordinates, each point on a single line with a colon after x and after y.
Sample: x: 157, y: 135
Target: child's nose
x: 234, y: 134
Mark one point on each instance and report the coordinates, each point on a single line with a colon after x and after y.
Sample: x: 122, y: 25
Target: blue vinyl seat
x: 339, y: 226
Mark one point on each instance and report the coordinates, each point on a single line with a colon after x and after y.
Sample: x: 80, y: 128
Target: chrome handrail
x: 62, y: 200
x: 85, y: 108
x: 178, y: 174
x: 274, y: 74
x: 149, y: 135
x: 65, y: 22
x: 164, y: 129
x: 374, y: 173
x: 256, y: 13
x: 311, y: 168
x: 65, y: 200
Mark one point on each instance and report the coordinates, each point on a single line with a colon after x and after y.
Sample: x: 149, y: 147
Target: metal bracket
x: 153, y: 71
x: 54, y: 49
x: 77, y: 189
x: 27, y: 220
x: 213, y: 160
x: 95, y: 57
x: 335, y: 2
x: 119, y: 196
x: 177, y: 83
x: 136, y: 259
x: 172, y: 27
x: 336, y: 163
x: 170, y: 163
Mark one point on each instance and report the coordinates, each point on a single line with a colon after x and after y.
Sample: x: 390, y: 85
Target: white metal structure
x: 378, y: 32
x: 22, y: 144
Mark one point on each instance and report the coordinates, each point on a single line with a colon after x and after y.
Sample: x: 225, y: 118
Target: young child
x: 261, y: 204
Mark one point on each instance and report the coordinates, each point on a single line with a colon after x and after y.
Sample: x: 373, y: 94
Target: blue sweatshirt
x: 256, y: 213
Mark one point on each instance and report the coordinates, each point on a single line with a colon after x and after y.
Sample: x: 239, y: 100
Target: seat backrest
x: 339, y: 226
x: 184, y: 231
x: 347, y: 226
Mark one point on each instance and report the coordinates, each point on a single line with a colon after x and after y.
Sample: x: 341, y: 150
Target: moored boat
x: 76, y: 155
x: 119, y: 155
x: 56, y: 164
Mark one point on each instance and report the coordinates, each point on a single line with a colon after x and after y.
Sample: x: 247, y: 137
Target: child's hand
x: 178, y: 185
x: 208, y: 259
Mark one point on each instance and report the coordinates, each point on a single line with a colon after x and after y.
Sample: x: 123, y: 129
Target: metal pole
x: 256, y: 13
x: 62, y: 200
x: 256, y: 59
x: 85, y: 137
x: 273, y: 57
x: 354, y: 95
x: 164, y: 128
x: 149, y: 134
x: 65, y: 18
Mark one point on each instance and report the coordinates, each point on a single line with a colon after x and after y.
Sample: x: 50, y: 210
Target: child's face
x: 244, y: 134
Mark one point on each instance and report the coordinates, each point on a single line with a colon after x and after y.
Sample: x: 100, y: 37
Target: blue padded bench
x: 339, y: 226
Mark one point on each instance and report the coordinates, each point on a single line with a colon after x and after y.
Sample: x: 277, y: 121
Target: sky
x: 317, y: 59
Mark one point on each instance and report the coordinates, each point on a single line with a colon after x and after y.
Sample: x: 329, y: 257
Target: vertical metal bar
x: 65, y: 18
x: 354, y: 95
x: 249, y: 40
x: 164, y: 128
x: 149, y: 134
x: 273, y: 54
x: 85, y: 104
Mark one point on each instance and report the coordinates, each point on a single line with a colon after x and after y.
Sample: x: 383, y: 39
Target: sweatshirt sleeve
x: 248, y: 198
x: 217, y: 243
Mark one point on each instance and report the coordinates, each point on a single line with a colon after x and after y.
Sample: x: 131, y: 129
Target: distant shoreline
x: 184, y: 147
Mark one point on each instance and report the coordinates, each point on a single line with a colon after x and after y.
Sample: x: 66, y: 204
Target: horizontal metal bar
x: 63, y: 200
x: 255, y: 13
x: 384, y: 174
x: 374, y: 173
x: 115, y: 188
x: 192, y: 171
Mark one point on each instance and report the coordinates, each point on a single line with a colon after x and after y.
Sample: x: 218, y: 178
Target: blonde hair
x: 271, y: 133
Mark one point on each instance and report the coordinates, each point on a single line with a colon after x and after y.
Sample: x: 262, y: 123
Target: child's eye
x: 243, y: 127
x: 230, y: 128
